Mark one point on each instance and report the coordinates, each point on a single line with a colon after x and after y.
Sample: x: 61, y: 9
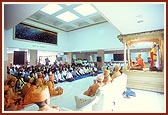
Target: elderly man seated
x: 107, y: 78
x: 139, y: 64
x: 93, y: 88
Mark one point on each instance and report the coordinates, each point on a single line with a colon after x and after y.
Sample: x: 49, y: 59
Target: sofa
x: 105, y: 98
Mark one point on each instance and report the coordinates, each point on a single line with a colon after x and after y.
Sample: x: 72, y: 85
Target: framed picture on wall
x: 31, y: 33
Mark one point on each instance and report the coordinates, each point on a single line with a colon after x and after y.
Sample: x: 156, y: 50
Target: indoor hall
x: 100, y: 36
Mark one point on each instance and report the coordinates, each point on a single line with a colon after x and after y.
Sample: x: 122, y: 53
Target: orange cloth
x: 40, y: 75
x: 40, y: 94
x: 9, y: 102
x: 116, y: 72
x: 40, y: 82
x: 50, y: 87
x: 11, y: 77
x: 28, y: 96
x: 92, y: 90
x: 106, y: 73
x: 153, y: 51
x: 107, y: 78
x: 6, y: 87
x: 25, y: 88
x: 140, y: 62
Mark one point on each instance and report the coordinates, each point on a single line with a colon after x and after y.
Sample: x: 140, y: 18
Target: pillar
x: 100, y: 53
x: 125, y: 60
x: 128, y: 52
x: 32, y: 58
x: 69, y: 58
x: 162, y: 54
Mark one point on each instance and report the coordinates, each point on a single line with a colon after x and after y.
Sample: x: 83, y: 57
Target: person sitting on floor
x: 26, y: 87
x: 41, y: 97
x: 52, y: 91
x: 9, y: 102
x: 93, y: 88
x: 107, y: 78
x: 36, y: 84
x: 69, y: 76
x: 60, y: 76
x: 14, y: 93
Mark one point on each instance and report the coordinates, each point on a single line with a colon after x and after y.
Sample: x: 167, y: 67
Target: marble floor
x: 144, y: 102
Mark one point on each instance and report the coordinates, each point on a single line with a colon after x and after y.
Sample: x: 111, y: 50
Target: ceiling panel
x: 82, y: 21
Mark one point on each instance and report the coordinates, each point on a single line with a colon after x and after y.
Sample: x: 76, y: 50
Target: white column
x: 33, y: 57
x: 69, y: 58
x: 125, y: 48
x: 128, y: 51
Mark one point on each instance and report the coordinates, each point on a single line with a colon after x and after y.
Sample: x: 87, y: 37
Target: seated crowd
x: 22, y: 83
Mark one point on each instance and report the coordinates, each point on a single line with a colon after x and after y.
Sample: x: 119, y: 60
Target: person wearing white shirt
x: 60, y: 76
x: 69, y: 76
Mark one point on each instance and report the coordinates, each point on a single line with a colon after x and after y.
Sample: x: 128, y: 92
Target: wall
x: 102, y: 36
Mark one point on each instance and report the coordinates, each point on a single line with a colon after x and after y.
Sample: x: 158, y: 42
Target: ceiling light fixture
x: 67, y: 16
x: 85, y: 9
x: 51, y: 8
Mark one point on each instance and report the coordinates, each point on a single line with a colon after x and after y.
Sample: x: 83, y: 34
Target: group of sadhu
x: 34, y: 91
x: 40, y: 92
x: 139, y: 64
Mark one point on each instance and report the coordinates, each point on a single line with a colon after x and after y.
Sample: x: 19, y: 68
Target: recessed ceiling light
x: 85, y: 9
x: 51, y: 8
x: 67, y: 16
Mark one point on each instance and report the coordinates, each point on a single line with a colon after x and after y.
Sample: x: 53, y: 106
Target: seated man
x: 116, y: 72
x: 93, y: 88
x: 139, y: 65
x: 36, y: 84
x: 52, y: 91
x: 107, y: 78
x: 41, y: 97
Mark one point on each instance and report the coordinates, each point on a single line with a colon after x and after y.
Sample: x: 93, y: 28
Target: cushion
x: 83, y: 100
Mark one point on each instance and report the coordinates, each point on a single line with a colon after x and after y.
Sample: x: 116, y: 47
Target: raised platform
x: 149, y: 80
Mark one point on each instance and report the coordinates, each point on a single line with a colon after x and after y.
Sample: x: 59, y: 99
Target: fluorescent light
x: 67, y: 16
x: 85, y: 9
x: 51, y: 8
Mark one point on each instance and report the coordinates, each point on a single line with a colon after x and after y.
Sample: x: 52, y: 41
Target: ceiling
x: 126, y: 17
x: 81, y: 21
x: 134, y: 17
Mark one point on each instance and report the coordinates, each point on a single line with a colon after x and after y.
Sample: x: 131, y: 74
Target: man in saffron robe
x: 107, y: 78
x: 50, y: 84
x: 116, y: 72
x: 41, y: 97
x: 93, y: 88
